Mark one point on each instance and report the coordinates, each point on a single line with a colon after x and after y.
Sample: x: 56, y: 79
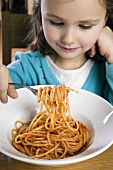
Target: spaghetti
x: 52, y: 133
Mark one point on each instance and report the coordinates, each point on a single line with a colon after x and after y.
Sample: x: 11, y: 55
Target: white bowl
x: 95, y: 112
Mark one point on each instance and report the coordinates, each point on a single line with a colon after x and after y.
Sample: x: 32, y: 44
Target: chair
x: 15, y: 25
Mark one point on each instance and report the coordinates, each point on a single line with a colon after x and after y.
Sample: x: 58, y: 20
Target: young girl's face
x: 72, y: 27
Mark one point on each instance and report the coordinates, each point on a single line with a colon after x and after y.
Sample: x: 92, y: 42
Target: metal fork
x: 22, y: 85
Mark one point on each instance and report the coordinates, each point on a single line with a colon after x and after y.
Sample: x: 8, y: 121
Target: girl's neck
x: 67, y: 63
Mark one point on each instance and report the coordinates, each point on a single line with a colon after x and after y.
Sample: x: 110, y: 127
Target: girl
x: 72, y: 44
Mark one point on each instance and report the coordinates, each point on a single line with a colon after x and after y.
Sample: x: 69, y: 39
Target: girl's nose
x: 68, y: 37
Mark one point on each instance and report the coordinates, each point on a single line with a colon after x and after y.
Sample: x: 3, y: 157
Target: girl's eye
x: 85, y: 26
x: 57, y: 23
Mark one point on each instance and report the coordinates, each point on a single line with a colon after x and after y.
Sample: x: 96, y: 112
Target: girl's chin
x: 71, y: 56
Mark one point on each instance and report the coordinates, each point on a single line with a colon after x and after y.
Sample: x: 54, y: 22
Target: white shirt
x: 71, y: 78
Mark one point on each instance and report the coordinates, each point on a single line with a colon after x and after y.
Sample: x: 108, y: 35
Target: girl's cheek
x: 88, y: 44
x: 49, y: 37
x: 91, y: 39
x: 50, y: 33
x: 88, y: 40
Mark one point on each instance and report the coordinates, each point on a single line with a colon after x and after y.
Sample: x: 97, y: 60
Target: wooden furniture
x: 15, y: 25
x: 104, y: 161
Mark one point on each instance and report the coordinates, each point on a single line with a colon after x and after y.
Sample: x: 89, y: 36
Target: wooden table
x: 104, y: 161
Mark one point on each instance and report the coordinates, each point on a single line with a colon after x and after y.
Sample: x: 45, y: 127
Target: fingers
x: 92, y: 51
x: 5, y: 89
x: 11, y: 92
x: 3, y: 83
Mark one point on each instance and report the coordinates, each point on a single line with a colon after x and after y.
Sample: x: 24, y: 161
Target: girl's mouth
x: 70, y: 50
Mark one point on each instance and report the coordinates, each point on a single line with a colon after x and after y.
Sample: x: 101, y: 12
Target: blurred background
x: 14, y: 27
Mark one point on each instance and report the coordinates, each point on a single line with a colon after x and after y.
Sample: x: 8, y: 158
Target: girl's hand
x: 105, y: 44
x: 5, y: 89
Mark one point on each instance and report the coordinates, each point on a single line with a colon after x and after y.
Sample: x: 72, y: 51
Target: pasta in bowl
x: 61, y: 125
x: 53, y: 133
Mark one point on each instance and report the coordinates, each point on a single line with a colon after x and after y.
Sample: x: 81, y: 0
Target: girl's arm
x: 105, y: 44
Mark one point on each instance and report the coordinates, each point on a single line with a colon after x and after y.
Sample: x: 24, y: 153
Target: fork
x: 28, y: 87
